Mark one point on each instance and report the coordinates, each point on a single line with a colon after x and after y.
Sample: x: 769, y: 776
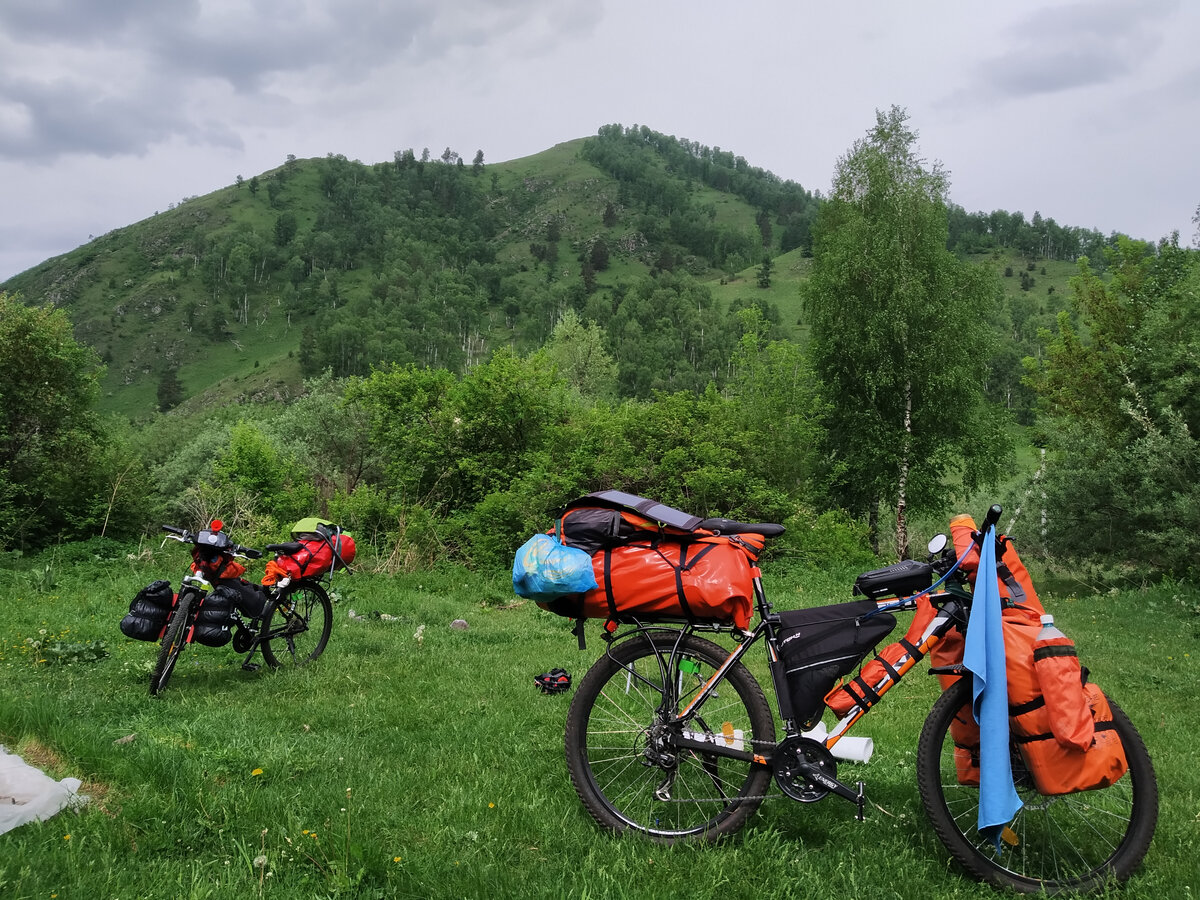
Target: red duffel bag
x: 703, y: 579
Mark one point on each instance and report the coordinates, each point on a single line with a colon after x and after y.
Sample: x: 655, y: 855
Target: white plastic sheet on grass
x: 28, y: 794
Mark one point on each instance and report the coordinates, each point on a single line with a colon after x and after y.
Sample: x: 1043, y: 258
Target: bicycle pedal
x: 861, y: 801
x: 251, y: 667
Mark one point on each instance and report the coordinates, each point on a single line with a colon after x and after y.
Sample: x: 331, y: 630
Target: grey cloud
x: 170, y: 50
x: 67, y: 117
x: 83, y: 21
x: 1108, y: 19
x: 1030, y: 72
x: 1069, y: 47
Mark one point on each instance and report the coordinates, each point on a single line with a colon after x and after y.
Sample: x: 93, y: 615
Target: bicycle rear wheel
x: 621, y: 755
x: 297, y: 625
x: 1073, y: 842
x: 172, y: 644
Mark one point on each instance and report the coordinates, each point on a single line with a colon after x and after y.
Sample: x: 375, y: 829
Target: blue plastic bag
x: 544, y: 569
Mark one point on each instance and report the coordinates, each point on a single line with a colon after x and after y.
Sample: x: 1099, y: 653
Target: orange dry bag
x: 1060, y: 679
x: 1058, y: 769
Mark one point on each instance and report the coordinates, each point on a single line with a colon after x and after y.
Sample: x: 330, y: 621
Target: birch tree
x: 900, y: 335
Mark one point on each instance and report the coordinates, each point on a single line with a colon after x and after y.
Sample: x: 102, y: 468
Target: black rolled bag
x: 214, y: 618
x: 148, y: 612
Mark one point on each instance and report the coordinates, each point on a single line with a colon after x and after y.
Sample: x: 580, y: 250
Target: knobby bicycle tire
x: 625, y: 782
x: 297, y: 625
x: 172, y: 644
x: 1069, y: 843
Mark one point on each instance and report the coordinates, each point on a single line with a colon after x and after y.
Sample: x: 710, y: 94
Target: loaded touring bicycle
x: 289, y: 618
x: 670, y: 735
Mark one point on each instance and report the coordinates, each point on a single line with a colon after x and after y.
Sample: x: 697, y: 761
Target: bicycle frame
x: 953, y: 604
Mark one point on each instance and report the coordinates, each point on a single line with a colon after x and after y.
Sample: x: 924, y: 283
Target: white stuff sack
x: 28, y: 794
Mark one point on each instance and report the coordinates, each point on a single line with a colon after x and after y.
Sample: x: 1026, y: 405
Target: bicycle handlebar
x: 992, y: 517
x: 186, y: 537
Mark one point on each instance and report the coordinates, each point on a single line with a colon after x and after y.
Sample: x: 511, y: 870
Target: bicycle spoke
x: 622, y: 750
x: 1076, y: 841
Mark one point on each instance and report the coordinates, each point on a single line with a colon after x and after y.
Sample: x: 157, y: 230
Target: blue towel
x: 983, y: 656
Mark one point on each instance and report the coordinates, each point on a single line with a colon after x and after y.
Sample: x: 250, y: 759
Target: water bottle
x: 1050, y: 631
x: 1061, y: 681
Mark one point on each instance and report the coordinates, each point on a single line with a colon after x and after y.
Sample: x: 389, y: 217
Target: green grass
x: 790, y: 272
x: 402, y: 768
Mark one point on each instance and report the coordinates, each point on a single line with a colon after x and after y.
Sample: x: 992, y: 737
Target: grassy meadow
x: 415, y: 760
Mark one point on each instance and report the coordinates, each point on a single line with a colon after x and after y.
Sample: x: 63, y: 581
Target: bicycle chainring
x: 243, y: 639
x: 798, y: 762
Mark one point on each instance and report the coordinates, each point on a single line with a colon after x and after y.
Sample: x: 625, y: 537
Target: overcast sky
x: 1087, y: 111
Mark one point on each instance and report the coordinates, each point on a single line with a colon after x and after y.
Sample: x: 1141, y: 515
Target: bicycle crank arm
x: 812, y: 773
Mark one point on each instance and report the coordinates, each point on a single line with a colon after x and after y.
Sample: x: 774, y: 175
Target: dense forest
x: 439, y: 353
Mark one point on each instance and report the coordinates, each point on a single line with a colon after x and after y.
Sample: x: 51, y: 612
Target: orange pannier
x: 1059, y: 754
x: 1057, y: 768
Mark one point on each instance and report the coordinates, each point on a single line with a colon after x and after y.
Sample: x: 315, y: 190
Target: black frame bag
x: 819, y: 645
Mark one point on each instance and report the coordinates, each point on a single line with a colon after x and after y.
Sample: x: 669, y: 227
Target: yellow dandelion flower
x: 256, y: 772
x: 491, y: 806
x: 66, y: 837
x: 396, y: 859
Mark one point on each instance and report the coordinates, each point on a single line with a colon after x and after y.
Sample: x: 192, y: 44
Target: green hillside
x: 335, y: 264
x: 223, y: 288
x: 444, y: 282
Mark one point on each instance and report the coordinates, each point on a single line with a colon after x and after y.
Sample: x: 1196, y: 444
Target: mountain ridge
x: 328, y: 263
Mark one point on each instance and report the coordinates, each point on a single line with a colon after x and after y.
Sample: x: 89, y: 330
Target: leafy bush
x: 827, y: 538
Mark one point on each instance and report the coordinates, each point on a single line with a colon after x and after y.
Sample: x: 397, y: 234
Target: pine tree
x: 170, y: 390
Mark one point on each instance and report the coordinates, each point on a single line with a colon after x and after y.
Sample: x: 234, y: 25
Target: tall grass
x: 399, y: 766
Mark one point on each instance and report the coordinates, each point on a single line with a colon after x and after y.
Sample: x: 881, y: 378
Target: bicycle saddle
x: 286, y: 549
x: 729, y: 526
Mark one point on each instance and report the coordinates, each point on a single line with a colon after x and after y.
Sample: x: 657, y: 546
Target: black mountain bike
x: 292, y: 629
x: 670, y: 735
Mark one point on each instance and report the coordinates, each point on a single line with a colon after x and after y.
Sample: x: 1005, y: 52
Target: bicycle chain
x: 776, y: 795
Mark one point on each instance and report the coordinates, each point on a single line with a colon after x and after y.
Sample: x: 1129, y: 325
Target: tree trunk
x: 901, y: 500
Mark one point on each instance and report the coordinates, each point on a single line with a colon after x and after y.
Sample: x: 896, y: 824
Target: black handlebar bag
x: 820, y: 645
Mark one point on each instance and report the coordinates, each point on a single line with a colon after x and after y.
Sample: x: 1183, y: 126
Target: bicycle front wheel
x: 1073, y: 842
x: 620, y: 751
x: 297, y: 625
x: 172, y: 644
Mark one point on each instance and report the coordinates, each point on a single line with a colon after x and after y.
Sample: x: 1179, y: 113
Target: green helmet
x: 310, y: 525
